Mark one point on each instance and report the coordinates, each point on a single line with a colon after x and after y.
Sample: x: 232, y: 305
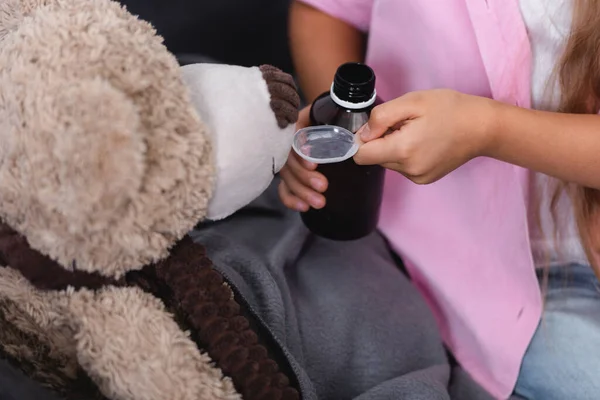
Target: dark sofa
x: 16, y: 386
x: 241, y: 32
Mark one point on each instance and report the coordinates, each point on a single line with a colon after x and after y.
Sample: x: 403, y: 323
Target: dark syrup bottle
x: 353, y: 197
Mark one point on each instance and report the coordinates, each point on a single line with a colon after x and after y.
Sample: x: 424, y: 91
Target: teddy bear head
x: 110, y: 152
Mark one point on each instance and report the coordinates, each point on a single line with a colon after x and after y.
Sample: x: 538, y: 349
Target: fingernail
x: 317, y: 184
x: 301, y: 206
x: 316, y: 201
x: 365, y: 132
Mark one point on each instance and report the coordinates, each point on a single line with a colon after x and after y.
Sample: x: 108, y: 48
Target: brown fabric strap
x: 41, y: 271
x: 192, y: 290
x: 212, y: 311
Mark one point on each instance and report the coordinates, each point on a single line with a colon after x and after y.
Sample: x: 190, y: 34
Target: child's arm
x: 324, y: 34
x: 566, y: 146
x: 436, y: 131
x: 323, y: 40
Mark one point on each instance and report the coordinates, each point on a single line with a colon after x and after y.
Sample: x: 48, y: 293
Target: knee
x: 562, y: 361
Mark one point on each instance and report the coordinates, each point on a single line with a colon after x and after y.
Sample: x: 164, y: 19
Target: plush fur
x: 39, y: 358
x: 115, y: 329
x: 33, y: 311
x: 124, y: 338
x: 36, y: 339
x: 104, y: 130
x: 124, y: 332
x: 105, y: 164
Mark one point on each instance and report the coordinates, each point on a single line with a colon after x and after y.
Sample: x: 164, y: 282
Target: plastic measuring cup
x: 325, y: 144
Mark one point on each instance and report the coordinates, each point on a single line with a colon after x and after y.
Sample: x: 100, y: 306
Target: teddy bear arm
x: 284, y: 95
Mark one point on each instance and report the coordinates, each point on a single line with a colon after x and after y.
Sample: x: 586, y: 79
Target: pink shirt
x: 464, y: 239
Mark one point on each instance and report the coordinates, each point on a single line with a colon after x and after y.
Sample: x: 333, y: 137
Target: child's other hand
x: 429, y: 133
x: 301, y: 186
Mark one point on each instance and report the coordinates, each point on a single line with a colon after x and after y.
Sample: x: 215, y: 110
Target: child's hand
x: 429, y: 133
x: 301, y: 186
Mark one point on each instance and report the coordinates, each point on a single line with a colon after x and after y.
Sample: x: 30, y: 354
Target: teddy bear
x: 110, y: 153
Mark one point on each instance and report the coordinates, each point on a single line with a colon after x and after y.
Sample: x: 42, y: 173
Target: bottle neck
x: 352, y: 106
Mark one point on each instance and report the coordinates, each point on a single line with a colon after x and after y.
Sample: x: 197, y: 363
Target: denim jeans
x: 563, y: 358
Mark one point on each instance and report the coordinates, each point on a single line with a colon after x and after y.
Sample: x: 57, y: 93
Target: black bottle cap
x: 354, y: 83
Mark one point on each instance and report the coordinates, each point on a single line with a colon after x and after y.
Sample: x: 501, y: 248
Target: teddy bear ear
x: 104, y: 162
x: 63, y: 161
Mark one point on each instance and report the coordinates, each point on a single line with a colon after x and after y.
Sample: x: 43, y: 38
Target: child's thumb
x: 386, y: 118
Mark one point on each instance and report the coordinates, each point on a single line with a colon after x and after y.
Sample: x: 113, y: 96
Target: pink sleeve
x: 355, y: 12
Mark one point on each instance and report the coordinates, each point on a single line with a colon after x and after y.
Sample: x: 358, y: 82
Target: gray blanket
x: 349, y: 320
x: 349, y: 317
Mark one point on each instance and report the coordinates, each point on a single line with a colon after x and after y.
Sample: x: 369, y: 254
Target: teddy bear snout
x: 284, y: 95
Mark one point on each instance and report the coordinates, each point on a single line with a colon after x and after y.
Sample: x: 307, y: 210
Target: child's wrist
x: 492, y: 124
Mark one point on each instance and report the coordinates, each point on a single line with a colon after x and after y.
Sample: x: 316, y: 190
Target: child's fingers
x: 289, y: 200
x: 394, y: 166
x: 303, y: 118
x: 388, y: 116
x: 379, y: 151
x: 300, y: 190
x: 307, y: 177
x: 297, y: 160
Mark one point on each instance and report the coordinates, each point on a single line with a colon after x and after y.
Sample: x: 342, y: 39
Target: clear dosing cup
x: 325, y: 144
x: 353, y: 194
